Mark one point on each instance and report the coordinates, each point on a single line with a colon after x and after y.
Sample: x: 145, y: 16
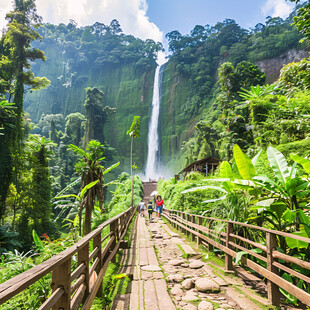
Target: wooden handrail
x: 233, y: 242
x: 60, y: 266
x: 280, y: 233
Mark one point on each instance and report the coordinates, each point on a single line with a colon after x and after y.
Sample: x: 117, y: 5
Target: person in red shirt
x: 159, y: 205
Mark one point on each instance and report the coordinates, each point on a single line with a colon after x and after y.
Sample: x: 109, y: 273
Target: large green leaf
x: 225, y: 170
x: 294, y: 243
x: 215, y: 199
x: 278, y: 164
x: 68, y: 196
x: 244, y: 163
x: 302, y: 161
x: 265, y: 202
x: 204, y: 187
x: 110, y: 168
x: 78, y: 150
x: 69, y: 186
x: 305, y: 220
x: 241, y: 253
x: 290, y: 297
x: 87, y: 187
x: 256, y: 157
x: 37, y: 241
x: 289, y: 215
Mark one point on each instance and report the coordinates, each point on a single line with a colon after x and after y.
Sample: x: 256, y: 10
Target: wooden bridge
x: 168, y: 278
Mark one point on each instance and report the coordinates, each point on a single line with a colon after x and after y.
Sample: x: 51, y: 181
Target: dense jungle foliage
x: 53, y: 174
x: 261, y: 134
x: 198, y: 88
x: 215, y: 101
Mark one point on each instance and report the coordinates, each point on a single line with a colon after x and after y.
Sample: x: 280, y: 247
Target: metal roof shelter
x: 205, y: 165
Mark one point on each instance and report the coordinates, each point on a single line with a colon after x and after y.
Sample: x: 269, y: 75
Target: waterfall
x: 153, y: 164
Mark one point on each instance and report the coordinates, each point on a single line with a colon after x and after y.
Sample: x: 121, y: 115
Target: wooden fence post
x: 187, y: 223
x: 228, y: 258
x: 200, y: 224
x: 211, y: 247
x: 113, y: 230
x: 273, y: 289
x: 97, y: 243
x: 193, y: 220
x: 83, y: 258
x: 61, y: 278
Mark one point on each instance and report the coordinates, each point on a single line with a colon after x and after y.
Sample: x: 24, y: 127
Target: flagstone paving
x: 168, y: 274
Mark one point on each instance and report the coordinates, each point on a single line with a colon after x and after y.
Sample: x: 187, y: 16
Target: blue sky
x: 184, y: 15
x: 154, y: 18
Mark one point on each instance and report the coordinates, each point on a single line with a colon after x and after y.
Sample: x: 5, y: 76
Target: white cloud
x: 277, y: 8
x: 131, y: 14
x: 5, y: 7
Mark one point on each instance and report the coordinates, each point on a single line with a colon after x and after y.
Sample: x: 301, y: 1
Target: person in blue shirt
x: 150, y: 209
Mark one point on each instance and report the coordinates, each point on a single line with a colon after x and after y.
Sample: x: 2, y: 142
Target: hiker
x: 150, y: 209
x: 141, y: 208
x: 159, y: 204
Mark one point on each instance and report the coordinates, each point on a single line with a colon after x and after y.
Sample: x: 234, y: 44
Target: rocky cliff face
x: 129, y: 90
x: 273, y: 66
x: 126, y: 88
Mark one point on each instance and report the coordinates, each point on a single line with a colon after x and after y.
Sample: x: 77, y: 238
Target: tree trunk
x: 88, y: 211
x: 131, y: 169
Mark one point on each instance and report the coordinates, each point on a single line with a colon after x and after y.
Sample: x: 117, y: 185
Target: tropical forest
x: 124, y: 157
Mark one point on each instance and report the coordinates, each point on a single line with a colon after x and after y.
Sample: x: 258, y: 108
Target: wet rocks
x: 176, y: 262
x: 175, y: 278
x: 205, y: 305
x: 176, y: 291
x: 188, y: 284
x: 196, y: 264
x: 205, y: 285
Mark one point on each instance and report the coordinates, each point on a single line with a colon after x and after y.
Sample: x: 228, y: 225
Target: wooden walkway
x: 148, y: 288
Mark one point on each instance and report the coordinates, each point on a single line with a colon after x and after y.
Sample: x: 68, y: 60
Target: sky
x: 154, y: 18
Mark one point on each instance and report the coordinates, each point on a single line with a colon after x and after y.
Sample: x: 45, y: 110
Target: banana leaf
x: 278, y: 164
x: 302, y: 161
x: 244, y: 163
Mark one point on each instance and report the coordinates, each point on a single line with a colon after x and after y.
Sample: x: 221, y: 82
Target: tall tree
x: 7, y: 128
x: 95, y: 115
x: 15, y: 73
x: 23, y: 21
x: 90, y: 170
x: 37, y: 212
x: 302, y: 19
x: 133, y: 132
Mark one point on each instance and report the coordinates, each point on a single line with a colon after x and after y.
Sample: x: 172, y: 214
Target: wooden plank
x: 61, y: 278
x: 17, y: 284
x: 158, y: 275
x: 143, y: 259
x: 146, y: 275
x: 163, y: 298
x: 141, y: 293
x: 134, y: 296
x: 150, y: 300
x: 77, y: 284
x: 279, y: 233
x: 291, y: 259
x: 78, y: 297
x: 187, y: 249
x: 264, y: 259
x: 152, y: 258
x: 51, y: 301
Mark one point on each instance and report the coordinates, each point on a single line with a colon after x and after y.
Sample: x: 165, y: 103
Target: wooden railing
x: 230, y: 241
x: 72, y: 289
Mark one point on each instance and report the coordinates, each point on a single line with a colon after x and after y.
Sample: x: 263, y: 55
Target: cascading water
x: 153, y: 164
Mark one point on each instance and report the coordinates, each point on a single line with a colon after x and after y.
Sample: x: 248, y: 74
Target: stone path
x: 176, y: 268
